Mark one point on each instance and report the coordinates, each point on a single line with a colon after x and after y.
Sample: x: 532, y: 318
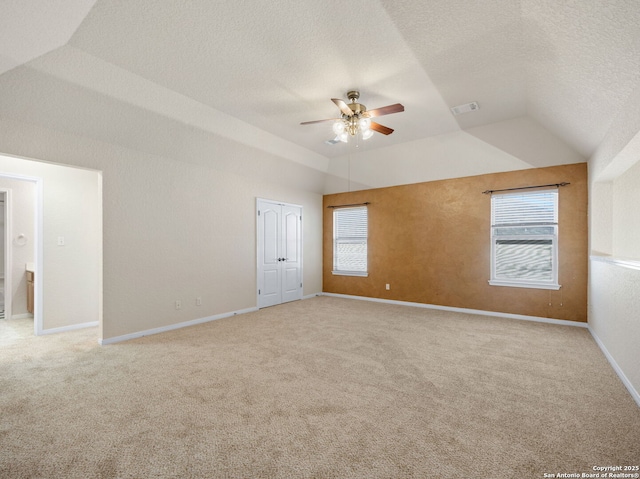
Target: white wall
x: 22, y: 201
x: 601, y: 217
x: 614, y: 274
x: 182, y: 225
x: 511, y: 145
x: 614, y: 317
x: 615, y: 288
x: 626, y: 214
x: 71, y: 273
x: 2, y: 233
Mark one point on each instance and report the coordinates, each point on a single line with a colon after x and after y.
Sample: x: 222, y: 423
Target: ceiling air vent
x: 466, y: 108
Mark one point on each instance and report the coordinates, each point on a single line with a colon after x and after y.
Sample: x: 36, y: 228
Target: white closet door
x: 291, y: 254
x: 279, y: 242
x: 269, y: 271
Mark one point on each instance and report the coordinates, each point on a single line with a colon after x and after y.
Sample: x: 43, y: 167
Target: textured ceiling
x: 257, y: 69
x: 30, y: 28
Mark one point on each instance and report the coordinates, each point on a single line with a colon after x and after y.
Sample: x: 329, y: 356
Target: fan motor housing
x: 353, y: 95
x: 357, y: 108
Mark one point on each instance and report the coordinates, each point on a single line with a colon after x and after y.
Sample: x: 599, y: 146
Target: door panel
x: 291, y: 284
x: 291, y: 232
x: 271, y: 236
x: 292, y: 244
x: 271, y: 282
x: 269, y: 270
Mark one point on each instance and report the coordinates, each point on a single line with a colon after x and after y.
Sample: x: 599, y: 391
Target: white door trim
x: 38, y: 249
x: 8, y: 252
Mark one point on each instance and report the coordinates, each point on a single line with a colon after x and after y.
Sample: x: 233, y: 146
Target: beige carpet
x: 322, y: 388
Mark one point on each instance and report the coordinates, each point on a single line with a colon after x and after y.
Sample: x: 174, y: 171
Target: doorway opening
x: 20, y: 236
x: 53, y: 263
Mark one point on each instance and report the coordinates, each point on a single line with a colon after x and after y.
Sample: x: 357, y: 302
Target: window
x: 350, y: 227
x: 524, y: 239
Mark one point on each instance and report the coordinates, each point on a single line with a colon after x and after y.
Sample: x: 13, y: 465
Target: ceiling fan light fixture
x: 355, y: 119
x: 364, y: 123
x: 366, y: 134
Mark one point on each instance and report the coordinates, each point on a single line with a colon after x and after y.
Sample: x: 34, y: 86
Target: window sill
x: 350, y: 273
x: 520, y: 284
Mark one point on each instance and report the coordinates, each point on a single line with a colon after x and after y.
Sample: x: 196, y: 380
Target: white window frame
x: 526, y: 283
x: 337, y: 240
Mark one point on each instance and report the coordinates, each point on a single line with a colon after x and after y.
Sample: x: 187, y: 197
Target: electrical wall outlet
x: 60, y: 240
x: 388, y: 287
x: 198, y: 301
x: 178, y: 304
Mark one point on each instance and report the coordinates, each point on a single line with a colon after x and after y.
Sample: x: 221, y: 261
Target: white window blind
x: 532, y: 208
x: 350, y: 231
x: 524, y: 237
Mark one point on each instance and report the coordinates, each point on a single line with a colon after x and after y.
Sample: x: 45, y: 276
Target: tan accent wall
x: 431, y: 243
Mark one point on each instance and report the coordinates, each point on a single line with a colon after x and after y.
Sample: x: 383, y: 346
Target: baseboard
x: 634, y: 394
x: 562, y: 322
x: 22, y: 316
x: 171, y: 327
x: 71, y: 327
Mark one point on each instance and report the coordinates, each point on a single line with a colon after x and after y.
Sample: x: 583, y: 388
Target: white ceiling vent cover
x: 466, y: 108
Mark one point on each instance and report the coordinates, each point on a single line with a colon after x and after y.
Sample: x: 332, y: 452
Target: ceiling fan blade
x: 385, y: 110
x: 344, y: 108
x: 381, y: 128
x: 318, y: 121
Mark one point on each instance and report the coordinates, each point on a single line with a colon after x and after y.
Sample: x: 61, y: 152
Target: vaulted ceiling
x: 544, y: 72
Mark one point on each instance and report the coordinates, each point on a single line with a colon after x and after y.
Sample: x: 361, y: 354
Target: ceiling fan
x: 357, y: 119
